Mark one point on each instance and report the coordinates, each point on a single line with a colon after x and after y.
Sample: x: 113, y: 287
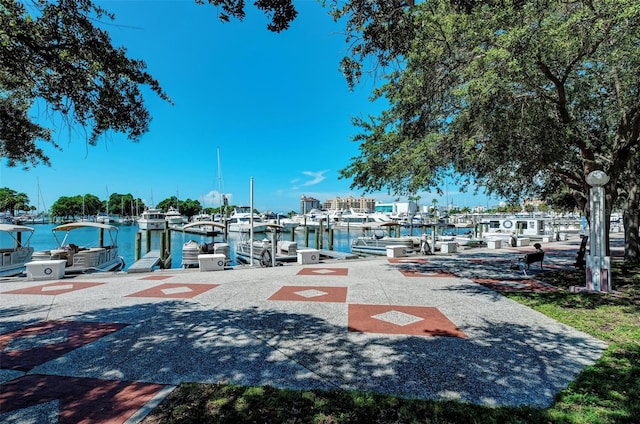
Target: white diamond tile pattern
x: 397, y: 318
x: 311, y: 293
x: 176, y: 290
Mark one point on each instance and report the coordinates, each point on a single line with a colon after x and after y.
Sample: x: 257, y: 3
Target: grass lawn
x: 607, y: 392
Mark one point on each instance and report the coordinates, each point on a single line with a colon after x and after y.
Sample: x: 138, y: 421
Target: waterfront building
x: 350, y: 202
x: 409, y: 208
x: 308, y: 203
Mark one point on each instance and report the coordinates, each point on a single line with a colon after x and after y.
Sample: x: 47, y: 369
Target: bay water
x: 43, y: 239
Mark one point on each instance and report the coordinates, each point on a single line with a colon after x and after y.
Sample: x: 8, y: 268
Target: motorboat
x: 15, y: 248
x: 377, y: 237
x: 264, y: 252
x: 99, y: 255
x: 152, y: 219
x: 353, y: 218
x: 192, y: 248
x: 103, y: 219
x: 202, y: 216
x: 242, y: 219
x: 174, y: 217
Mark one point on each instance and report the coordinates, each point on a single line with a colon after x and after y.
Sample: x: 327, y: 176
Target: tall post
x: 331, y: 239
x: 598, y: 265
x: 148, y: 241
x: 251, y: 223
x: 138, y: 246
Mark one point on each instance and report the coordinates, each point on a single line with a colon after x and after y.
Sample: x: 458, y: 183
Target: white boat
x: 103, y: 219
x: 15, y: 250
x: 202, y: 217
x: 376, y: 238
x: 262, y: 252
x: 468, y: 240
x: 242, y: 218
x: 352, y: 218
x: 192, y: 248
x: 174, y: 217
x: 125, y: 220
x: 152, y: 219
x: 505, y: 229
x: 288, y: 224
x: 99, y: 256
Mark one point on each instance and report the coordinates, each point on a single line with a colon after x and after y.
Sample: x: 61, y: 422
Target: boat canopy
x: 75, y: 225
x: 13, y: 228
x: 203, y: 224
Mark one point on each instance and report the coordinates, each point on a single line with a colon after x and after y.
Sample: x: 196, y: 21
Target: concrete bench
x: 396, y: 251
x: 211, y: 261
x: 494, y: 244
x: 308, y: 256
x: 46, y: 270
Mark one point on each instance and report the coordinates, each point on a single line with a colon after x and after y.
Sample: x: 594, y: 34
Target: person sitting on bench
x: 524, y: 261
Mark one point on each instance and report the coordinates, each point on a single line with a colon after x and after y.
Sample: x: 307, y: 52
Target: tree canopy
x: 53, y: 56
x: 521, y: 97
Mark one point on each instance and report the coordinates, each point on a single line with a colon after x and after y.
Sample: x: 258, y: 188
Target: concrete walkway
x: 110, y: 347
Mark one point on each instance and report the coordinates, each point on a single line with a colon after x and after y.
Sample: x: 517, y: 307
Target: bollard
x: 138, y: 247
x: 163, y: 246
x: 331, y: 239
x: 148, y: 241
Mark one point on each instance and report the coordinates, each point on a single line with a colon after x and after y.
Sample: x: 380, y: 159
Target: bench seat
x: 531, y: 258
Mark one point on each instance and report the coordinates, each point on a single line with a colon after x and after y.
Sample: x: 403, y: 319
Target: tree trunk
x: 631, y: 219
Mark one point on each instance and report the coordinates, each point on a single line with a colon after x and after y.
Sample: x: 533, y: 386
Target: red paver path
x: 311, y: 294
x: 405, y: 320
x: 54, y: 289
x: 48, y: 340
x: 80, y: 400
x: 175, y: 290
x: 323, y: 271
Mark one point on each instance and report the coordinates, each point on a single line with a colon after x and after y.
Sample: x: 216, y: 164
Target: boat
x: 152, y: 219
x: 100, y: 256
x: 468, y: 240
x: 506, y: 229
x: 202, y: 216
x: 376, y: 238
x: 354, y: 218
x: 262, y: 252
x: 103, y: 219
x: 125, y: 220
x: 242, y: 218
x: 174, y: 217
x: 16, y: 255
x: 192, y: 248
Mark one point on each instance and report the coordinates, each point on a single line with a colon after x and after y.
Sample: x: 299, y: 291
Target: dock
x: 147, y: 263
x: 334, y: 254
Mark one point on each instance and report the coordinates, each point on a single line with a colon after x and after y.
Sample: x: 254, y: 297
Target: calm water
x: 43, y: 239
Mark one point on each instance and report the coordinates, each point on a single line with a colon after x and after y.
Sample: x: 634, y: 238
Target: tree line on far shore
x: 118, y: 204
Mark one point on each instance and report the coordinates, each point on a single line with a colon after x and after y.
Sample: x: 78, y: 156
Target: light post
x: 598, y: 265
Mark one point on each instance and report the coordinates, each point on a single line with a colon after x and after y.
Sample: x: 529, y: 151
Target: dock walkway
x: 147, y: 263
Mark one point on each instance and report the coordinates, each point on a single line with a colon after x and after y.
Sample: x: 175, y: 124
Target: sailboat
x: 104, y: 218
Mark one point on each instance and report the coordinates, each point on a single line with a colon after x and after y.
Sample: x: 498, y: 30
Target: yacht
x: 152, y: 219
x: 241, y: 219
x: 174, y: 217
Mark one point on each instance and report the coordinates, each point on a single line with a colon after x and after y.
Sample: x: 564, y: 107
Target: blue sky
x: 275, y: 106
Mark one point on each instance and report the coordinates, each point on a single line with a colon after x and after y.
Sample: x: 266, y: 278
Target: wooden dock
x: 334, y: 254
x: 147, y: 263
